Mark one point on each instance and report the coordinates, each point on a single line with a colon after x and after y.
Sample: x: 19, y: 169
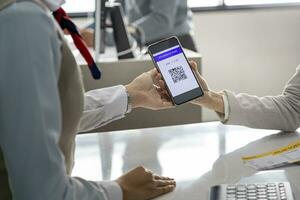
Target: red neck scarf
x: 65, y: 23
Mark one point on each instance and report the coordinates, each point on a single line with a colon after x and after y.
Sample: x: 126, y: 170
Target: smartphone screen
x: 171, y: 61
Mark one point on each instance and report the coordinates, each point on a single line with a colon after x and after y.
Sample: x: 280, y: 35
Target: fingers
x: 163, y: 184
x: 157, y: 177
x: 162, y: 90
x: 163, y: 93
x: 193, y: 65
x: 159, y: 184
x: 202, y: 81
x: 160, y: 180
x: 149, y: 173
x: 160, y: 82
x: 153, y: 72
x: 162, y: 85
x: 165, y: 189
x: 156, y: 76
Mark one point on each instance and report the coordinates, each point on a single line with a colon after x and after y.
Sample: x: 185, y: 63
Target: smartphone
x: 171, y: 62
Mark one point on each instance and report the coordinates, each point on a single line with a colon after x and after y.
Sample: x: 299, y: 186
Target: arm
x: 30, y: 112
x: 271, y: 112
x: 161, y: 17
x: 280, y: 112
x: 103, y: 106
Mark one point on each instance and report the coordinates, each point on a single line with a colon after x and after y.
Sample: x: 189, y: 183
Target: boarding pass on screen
x: 277, y: 158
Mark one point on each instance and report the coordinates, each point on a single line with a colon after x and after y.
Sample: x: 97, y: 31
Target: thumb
x: 193, y: 65
x: 202, y: 81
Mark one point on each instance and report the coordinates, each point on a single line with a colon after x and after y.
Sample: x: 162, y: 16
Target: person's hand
x: 87, y: 35
x: 145, y: 92
x: 141, y: 184
x: 206, y: 97
x: 210, y: 99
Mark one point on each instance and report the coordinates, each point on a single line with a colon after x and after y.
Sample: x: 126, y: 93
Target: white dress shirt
x: 30, y: 113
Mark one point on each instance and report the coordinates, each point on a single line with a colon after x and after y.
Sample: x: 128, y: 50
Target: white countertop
x: 197, y: 155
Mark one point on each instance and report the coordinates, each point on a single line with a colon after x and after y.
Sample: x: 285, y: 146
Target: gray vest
x: 71, y: 99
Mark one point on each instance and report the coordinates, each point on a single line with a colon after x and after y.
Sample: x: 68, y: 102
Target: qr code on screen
x: 177, y: 74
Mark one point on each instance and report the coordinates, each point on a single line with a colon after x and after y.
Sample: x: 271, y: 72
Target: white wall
x: 253, y: 51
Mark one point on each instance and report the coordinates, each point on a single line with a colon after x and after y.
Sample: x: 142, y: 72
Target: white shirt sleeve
x: 226, y: 107
x: 280, y: 112
x: 30, y: 114
x: 103, y: 106
x: 224, y: 116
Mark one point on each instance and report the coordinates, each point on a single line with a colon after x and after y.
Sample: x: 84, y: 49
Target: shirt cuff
x: 224, y: 116
x: 129, y: 106
x: 226, y: 107
x: 117, y: 106
x: 112, y: 189
x: 121, y: 100
x: 103, y: 106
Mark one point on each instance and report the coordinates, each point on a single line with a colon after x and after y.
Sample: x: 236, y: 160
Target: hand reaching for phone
x: 211, y: 100
x: 145, y: 92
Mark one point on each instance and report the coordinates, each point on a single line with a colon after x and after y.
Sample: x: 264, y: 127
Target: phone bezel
x: 163, y: 45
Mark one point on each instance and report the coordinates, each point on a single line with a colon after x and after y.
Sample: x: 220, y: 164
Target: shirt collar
x: 53, y: 5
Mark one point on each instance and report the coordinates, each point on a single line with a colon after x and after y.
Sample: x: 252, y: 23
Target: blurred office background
x: 250, y: 46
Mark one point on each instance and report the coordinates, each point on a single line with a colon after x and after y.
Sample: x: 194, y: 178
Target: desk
x: 122, y: 72
x: 196, y: 155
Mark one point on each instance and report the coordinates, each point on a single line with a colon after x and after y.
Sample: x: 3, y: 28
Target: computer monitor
x: 114, y: 11
x: 100, y: 17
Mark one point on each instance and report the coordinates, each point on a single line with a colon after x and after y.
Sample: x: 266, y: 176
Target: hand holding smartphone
x: 170, y: 60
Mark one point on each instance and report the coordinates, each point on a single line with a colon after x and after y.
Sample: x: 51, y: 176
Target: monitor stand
x: 123, y: 44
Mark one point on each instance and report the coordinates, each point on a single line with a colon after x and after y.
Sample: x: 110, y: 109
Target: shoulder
x: 27, y: 15
x: 28, y: 32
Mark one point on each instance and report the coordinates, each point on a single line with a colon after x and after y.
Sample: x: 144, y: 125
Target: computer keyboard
x: 252, y: 191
